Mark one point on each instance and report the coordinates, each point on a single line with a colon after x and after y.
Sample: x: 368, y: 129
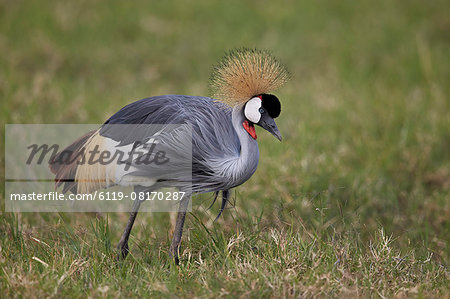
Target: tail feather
x: 65, y: 163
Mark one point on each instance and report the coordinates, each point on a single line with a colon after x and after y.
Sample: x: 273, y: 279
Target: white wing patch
x: 118, y: 173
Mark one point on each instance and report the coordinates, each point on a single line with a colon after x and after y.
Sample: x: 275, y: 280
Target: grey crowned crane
x: 224, y: 152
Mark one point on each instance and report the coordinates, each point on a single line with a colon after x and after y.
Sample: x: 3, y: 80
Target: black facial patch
x: 271, y: 104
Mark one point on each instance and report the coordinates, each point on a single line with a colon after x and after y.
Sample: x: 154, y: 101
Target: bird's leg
x: 225, y: 194
x: 178, y: 232
x: 216, y: 194
x: 123, y: 243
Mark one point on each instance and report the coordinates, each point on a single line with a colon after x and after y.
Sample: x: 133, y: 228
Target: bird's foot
x: 173, y: 254
x: 123, y: 250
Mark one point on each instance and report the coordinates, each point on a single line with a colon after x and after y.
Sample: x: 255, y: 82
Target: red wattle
x: 250, y: 128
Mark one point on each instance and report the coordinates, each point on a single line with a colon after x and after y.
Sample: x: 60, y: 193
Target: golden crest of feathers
x: 244, y: 73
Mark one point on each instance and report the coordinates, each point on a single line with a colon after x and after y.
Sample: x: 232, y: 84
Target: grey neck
x: 246, y: 164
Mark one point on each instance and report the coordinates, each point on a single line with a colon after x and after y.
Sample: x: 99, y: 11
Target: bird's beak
x: 268, y: 123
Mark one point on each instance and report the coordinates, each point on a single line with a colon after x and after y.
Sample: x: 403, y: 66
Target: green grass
x: 354, y: 201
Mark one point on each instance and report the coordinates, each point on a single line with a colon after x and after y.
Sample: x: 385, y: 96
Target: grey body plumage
x: 224, y: 155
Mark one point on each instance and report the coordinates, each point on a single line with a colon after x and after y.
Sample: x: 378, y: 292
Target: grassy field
x: 354, y: 202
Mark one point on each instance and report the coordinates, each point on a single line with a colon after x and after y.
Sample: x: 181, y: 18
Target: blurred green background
x: 365, y: 120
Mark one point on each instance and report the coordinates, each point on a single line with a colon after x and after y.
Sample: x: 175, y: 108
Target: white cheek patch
x: 251, y: 110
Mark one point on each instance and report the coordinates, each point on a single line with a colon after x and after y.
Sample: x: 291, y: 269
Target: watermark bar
x: 97, y: 168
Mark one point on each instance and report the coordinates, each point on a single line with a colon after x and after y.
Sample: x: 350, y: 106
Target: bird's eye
x: 261, y: 110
